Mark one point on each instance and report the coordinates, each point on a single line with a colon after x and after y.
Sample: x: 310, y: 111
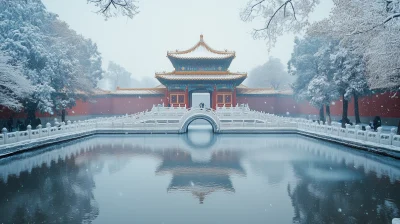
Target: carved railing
x: 227, y: 118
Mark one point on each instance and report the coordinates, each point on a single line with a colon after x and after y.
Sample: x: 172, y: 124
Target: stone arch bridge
x: 178, y: 119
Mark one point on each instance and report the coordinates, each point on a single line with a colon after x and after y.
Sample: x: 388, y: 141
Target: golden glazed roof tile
x: 201, y: 51
x: 139, y: 91
x: 201, y: 75
x: 261, y: 91
x: 178, y: 73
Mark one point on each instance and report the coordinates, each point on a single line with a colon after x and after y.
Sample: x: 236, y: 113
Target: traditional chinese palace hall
x: 199, y: 69
x: 204, y: 70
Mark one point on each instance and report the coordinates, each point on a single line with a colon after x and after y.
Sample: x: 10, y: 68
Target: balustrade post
x: 29, y: 129
x: 17, y: 136
x: 48, y: 126
x: 40, y: 130
x: 393, y: 132
x: 347, y: 129
x: 4, y: 132
x: 69, y: 125
x: 379, y: 130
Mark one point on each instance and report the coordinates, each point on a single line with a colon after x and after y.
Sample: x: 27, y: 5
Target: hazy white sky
x: 141, y: 44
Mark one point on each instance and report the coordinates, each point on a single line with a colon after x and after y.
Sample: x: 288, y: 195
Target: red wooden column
x: 166, y: 98
x: 187, y: 97
x: 214, y: 98
x: 234, y: 97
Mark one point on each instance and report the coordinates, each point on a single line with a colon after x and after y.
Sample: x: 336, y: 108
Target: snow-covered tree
x: 13, y: 85
x: 76, y: 64
x: 56, y: 60
x: 278, y: 17
x: 271, y: 74
x: 116, y: 76
x: 311, y: 64
x: 350, y: 77
x: 110, y: 8
x: 23, y: 26
x: 373, y: 28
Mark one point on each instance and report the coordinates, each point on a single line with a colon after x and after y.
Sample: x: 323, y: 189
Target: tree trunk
x: 328, y: 114
x: 30, y: 109
x: 356, y: 110
x: 321, y: 114
x: 63, y: 112
x: 344, y: 112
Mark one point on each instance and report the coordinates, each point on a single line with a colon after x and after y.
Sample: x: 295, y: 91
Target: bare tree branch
x: 273, y: 15
x: 389, y: 18
x: 127, y: 8
x: 294, y: 11
x: 252, y: 8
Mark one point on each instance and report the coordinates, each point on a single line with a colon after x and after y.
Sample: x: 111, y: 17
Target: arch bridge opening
x: 199, y: 122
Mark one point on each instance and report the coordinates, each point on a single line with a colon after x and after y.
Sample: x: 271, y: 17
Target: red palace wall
x: 380, y: 104
x: 99, y: 106
x: 276, y: 104
x: 385, y: 105
x: 115, y: 105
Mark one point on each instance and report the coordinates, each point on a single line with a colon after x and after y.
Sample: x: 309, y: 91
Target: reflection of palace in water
x: 199, y: 177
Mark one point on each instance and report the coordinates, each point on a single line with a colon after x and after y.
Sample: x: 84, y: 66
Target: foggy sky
x: 141, y: 44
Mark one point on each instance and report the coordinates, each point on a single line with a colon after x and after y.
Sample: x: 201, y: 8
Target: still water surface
x: 199, y: 178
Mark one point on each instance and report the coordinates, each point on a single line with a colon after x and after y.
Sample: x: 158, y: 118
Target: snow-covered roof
x: 160, y: 86
x: 262, y: 91
x: 201, y: 75
x: 201, y: 51
x: 96, y: 91
x: 139, y: 91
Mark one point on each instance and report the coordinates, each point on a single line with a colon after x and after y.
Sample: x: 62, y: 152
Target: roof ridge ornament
x: 201, y: 38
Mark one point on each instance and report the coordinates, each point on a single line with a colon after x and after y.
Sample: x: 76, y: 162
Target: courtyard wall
x: 386, y: 105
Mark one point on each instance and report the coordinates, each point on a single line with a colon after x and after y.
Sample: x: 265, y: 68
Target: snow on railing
x: 228, y: 118
x: 354, y: 133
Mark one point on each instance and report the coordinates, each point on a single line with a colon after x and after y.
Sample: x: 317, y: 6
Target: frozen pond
x: 199, y: 178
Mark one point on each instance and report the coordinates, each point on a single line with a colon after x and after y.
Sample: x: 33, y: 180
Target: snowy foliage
x: 272, y: 74
x: 278, y: 16
x: 311, y: 65
x: 76, y: 63
x: 373, y: 28
x: 13, y: 84
x: 350, y: 72
x: 110, y: 8
x: 116, y: 76
x: 56, y: 60
x: 23, y: 37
